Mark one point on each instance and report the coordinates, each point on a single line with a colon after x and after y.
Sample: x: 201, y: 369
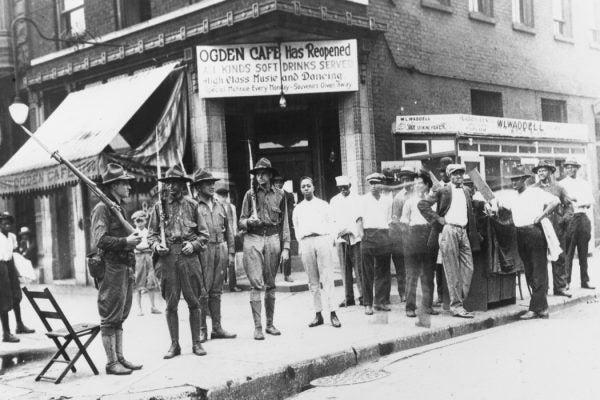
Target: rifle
x: 161, y: 219
x: 114, y: 207
x: 252, y: 190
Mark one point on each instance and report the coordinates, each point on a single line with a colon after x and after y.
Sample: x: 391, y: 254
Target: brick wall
x: 100, y: 16
x: 43, y: 12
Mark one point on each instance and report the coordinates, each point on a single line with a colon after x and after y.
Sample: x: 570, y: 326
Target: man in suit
x: 454, y: 223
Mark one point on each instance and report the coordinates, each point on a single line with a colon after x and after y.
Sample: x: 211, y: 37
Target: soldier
x: 115, y: 291
x: 219, y: 253
x: 265, y: 226
x: 186, y: 235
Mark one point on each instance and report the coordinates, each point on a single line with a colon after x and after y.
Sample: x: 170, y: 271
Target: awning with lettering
x: 87, y: 128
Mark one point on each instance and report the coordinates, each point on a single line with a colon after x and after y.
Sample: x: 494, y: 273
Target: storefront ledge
x: 477, y: 16
x: 564, y: 39
x: 435, y: 5
x: 517, y: 26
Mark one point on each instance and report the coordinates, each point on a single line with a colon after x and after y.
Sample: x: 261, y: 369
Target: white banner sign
x: 254, y: 69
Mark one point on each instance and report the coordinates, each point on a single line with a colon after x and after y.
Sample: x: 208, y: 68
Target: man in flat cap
x: 454, y: 224
x: 220, y: 252
x: 375, y: 215
x: 559, y: 218
x: 264, y: 217
x: 344, y: 210
x: 278, y: 182
x: 579, y: 227
x: 185, y: 236
x: 115, y: 291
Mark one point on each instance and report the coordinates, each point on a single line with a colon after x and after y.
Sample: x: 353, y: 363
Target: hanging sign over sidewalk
x: 256, y: 69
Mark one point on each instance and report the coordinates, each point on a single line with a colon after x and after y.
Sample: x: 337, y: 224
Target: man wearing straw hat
x: 266, y: 224
x: 115, y: 292
x: 186, y: 235
x: 579, y: 227
x: 220, y: 252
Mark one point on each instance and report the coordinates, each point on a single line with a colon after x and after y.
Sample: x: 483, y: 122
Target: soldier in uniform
x: 219, y: 253
x: 264, y: 227
x: 186, y: 235
x: 115, y: 291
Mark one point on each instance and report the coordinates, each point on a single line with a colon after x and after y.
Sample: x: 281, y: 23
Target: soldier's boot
x: 21, y: 328
x: 119, y: 351
x: 203, y: 315
x: 6, y: 335
x: 197, y: 348
x: 270, y: 310
x: 256, y: 306
x: 214, y: 303
x: 113, y: 366
x: 173, y: 325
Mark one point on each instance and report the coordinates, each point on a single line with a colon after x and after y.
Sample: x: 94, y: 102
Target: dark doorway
x: 62, y: 267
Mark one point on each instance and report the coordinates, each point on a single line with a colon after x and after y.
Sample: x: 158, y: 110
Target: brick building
x: 512, y: 60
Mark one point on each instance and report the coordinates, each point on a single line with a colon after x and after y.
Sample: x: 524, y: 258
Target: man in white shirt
x: 344, y: 209
x: 312, y: 221
x: 375, y: 215
x: 579, y: 227
x: 528, y: 209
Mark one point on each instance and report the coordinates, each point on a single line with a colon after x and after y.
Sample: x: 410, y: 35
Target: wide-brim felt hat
x: 175, y: 173
x: 7, y: 215
x: 115, y: 172
x: 573, y: 162
x: 263, y: 164
x: 544, y: 164
x: 203, y: 175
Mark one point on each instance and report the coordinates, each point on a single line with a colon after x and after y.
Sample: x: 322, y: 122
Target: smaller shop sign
x: 270, y: 68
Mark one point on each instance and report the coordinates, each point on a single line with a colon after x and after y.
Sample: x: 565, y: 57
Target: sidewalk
x: 239, y: 368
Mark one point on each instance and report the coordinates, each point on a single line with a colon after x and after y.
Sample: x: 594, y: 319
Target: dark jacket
x: 443, y: 198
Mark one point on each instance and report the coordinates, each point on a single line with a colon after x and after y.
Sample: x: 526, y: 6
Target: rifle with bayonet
x: 161, y: 210
x: 252, y: 188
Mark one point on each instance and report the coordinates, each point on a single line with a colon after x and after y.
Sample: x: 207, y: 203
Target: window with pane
x: 72, y: 17
x: 561, y: 10
x: 523, y: 12
x: 485, y: 7
x: 132, y: 12
x: 486, y: 103
x: 554, y: 110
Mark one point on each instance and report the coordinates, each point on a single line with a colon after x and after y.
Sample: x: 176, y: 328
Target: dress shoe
x: 288, y: 278
x: 464, y: 314
x: 433, y: 312
x: 382, y: 307
x: 21, y: 328
x: 271, y: 330
x: 544, y: 314
x: 563, y: 293
x: 130, y: 365
x: 368, y: 310
x: 528, y: 315
x: 173, y: 351
x: 235, y: 289
x: 411, y: 313
x: 258, y: 334
x: 198, y: 350
x: 317, y: 321
x: 583, y: 286
x: 155, y: 310
x: 347, y: 303
x: 117, y: 369
x: 335, y: 322
x: 221, y: 333
x: 10, y: 338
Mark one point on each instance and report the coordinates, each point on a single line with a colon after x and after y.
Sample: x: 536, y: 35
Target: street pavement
x: 241, y: 368
x: 558, y: 358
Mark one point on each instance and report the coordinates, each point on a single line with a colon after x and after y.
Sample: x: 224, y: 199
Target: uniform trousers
x: 261, y: 260
x: 181, y: 274
x: 532, y: 250
x: 214, y: 261
x: 316, y: 253
x: 115, y: 294
x: 458, y: 264
x: 578, y: 238
x: 350, y: 263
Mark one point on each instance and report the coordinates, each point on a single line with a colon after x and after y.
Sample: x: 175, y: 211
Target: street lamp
x: 282, y: 101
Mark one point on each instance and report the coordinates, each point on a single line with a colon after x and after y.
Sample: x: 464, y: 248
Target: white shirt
x: 580, y: 191
x: 8, y: 244
x: 312, y: 217
x: 410, y: 212
x: 528, y: 205
x: 376, y: 214
x: 457, y: 212
x: 143, y: 245
x: 344, y: 213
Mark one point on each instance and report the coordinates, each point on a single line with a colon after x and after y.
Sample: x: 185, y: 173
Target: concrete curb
x: 286, y: 381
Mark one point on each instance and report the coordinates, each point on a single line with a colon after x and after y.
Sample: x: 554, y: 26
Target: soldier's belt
x: 264, y: 230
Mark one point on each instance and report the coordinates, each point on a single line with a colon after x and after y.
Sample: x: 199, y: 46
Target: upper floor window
x: 523, y: 12
x: 485, y: 7
x: 554, y: 110
x: 131, y: 12
x: 486, y: 103
x: 561, y: 10
x: 72, y: 17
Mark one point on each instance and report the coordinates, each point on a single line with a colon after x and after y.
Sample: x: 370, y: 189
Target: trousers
x: 214, y: 261
x: 577, y: 238
x: 261, y: 260
x: 181, y: 274
x: 350, y: 264
x: 316, y: 253
x: 374, y: 276
x: 532, y: 250
x: 115, y: 295
x: 458, y: 264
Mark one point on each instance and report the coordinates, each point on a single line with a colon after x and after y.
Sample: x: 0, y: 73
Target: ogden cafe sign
x: 489, y: 126
x: 257, y: 70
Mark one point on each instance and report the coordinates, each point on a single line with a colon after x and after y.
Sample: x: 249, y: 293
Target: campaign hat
x: 544, y: 164
x: 175, y: 173
x: 202, y: 175
x: 114, y: 172
x: 451, y: 168
x: 263, y: 164
x: 573, y: 162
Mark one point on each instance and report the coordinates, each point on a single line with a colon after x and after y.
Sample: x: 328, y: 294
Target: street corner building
x: 321, y: 88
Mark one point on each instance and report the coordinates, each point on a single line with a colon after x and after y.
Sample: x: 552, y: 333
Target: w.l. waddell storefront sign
x: 257, y: 70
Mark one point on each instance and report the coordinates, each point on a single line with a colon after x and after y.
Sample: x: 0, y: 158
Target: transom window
x: 72, y: 16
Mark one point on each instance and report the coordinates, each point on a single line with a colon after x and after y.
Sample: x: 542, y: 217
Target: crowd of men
x: 424, y: 225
